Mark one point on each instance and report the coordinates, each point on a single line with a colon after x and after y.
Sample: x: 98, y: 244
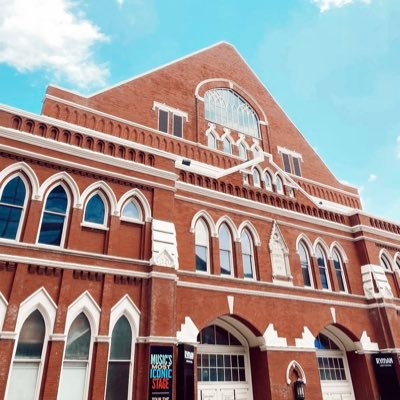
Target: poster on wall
x: 161, y: 373
x: 185, y: 375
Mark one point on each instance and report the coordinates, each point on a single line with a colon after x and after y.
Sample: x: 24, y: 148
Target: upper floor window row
x: 227, y: 108
x: 291, y: 161
x: 170, y: 120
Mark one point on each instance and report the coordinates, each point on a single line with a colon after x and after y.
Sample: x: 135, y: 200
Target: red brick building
x: 184, y: 207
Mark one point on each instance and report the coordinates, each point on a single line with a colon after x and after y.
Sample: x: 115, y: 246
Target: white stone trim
x: 326, y: 251
x: 164, y: 244
x: 307, y: 340
x: 303, y: 238
x: 125, y: 307
x: 271, y: 338
x: 297, y: 367
x: 284, y: 150
x: 253, y: 231
x: 365, y: 344
x: 140, y: 198
x: 104, y: 191
x: 335, y: 245
x: 225, y: 219
x: 389, y: 258
x: 231, y: 302
x: 168, y: 109
x: 18, y: 167
x: 3, y: 310
x: 372, y: 272
x: 202, y: 214
x: 188, y: 332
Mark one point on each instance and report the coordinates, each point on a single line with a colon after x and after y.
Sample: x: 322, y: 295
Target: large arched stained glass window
x: 227, y: 108
x: 12, y: 202
x: 119, y: 363
x: 25, y: 374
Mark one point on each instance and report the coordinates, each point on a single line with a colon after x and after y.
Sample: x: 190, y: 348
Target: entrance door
x: 223, y: 368
x: 333, y: 370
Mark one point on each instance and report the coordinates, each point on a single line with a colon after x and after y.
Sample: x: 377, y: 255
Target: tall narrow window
x: 268, y: 181
x: 227, y: 146
x: 25, y: 374
x: 212, y: 141
x: 95, y: 211
x: 201, y: 244
x: 337, y: 261
x: 119, y: 363
x: 163, y: 121
x: 256, y: 178
x: 323, y: 273
x: 75, y: 372
x: 296, y: 166
x: 12, y: 202
x: 225, y: 250
x: 54, y: 216
x: 178, y: 126
x: 385, y: 263
x: 247, y: 255
x: 242, y: 151
x: 305, y: 265
x: 279, y: 185
x: 286, y: 162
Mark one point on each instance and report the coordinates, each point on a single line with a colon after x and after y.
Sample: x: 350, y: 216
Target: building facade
x: 175, y: 236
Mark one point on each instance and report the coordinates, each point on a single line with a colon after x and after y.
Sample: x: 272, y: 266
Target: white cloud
x: 325, y: 5
x: 51, y: 35
x: 372, y: 178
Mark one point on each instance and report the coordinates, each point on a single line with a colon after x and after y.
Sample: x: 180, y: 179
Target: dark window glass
x: 296, y: 166
x: 385, y: 263
x: 57, y: 200
x: 95, y: 210
x: 201, y: 258
x: 225, y: 250
x: 221, y: 336
x: 286, y: 162
x: 305, y: 264
x: 30, y: 341
x: 117, y: 381
x: 322, y: 269
x: 11, y: 205
x: 163, y: 121
x: 339, y: 271
x: 78, y: 341
x: 121, y: 341
x: 247, y: 254
x: 398, y: 262
x: 178, y: 121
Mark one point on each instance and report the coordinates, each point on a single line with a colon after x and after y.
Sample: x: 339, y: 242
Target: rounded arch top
x: 337, y: 246
x: 230, y: 224
x: 385, y: 255
x: 321, y: 243
x: 61, y: 177
x: 202, y: 214
x: 140, y: 197
x: 214, y: 83
x: 125, y: 307
x: 307, y: 242
x: 253, y: 231
x: 103, y: 187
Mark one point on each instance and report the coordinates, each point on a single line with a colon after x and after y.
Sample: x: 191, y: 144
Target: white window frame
x: 139, y: 208
x: 383, y: 255
x: 231, y: 250
x: 301, y: 242
x: 27, y: 196
x: 253, y: 263
x: 208, y: 245
x: 340, y: 258
x: 66, y: 221
x: 282, y: 189
x: 325, y: 258
x: 102, y: 226
x: 256, y: 171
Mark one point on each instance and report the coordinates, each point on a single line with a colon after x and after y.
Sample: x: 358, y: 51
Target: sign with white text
x: 161, y: 373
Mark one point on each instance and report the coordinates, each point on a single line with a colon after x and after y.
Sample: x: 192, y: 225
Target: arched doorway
x: 333, y: 368
x: 223, y: 364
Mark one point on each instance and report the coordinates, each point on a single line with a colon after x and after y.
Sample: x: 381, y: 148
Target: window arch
x: 385, y: 262
x: 202, y: 241
x: 279, y: 185
x: 96, y: 210
x: 13, y: 198
x: 225, y: 250
x: 28, y: 359
x: 75, y: 369
x: 211, y: 141
x: 339, y: 270
x: 305, y: 264
x: 52, y: 228
x: 322, y: 267
x: 256, y: 178
x: 247, y: 254
x: 242, y: 151
x: 227, y: 146
x: 131, y: 211
x: 227, y: 108
x: 119, y: 361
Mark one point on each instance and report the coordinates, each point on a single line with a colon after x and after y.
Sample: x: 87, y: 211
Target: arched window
x: 75, y: 369
x: 54, y: 216
x: 227, y: 146
x: 202, y: 246
x: 131, y: 211
x: 119, y: 363
x: 12, y: 201
x: 242, y: 151
x: 305, y: 265
x: 212, y: 141
x: 385, y: 263
x: 225, y: 250
x: 337, y: 262
x: 247, y: 255
x: 95, y: 210
x: 227, y: 108
x: 26, y: 368
x: 256, y: 178
x: 279, y: 185
x: 322, y: 266
x: 267, y: 181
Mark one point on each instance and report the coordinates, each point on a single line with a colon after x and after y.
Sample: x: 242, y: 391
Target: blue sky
x: 333, y: 65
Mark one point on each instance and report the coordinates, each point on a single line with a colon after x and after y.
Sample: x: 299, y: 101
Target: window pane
x: 286, y: 162
x: 23, y: 381
x: 242, y: 151
x: 9, y: 221
x: 201, y: 258
x: 208, y: 335
x: 296, y: 166
x: 227, y: 146
x: 121, y: 341
x: 73, y: 379
x: 131, y: 211
x: 14, y: 192
x: 95, y: 210
x: 78, y: 341
x: 117, y: 381
x: 51, y: 229
x: 211, y: 141
x: 163, y: 121
x: 57, y: 200
x: 30, y: 341
x: 177, y: 126
x: 221, y: 335
x: 225, y: 259
x: 256, y: 178
x: 247, y: 266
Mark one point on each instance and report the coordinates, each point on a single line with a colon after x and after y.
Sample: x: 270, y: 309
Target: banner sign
x: 185, y: 379
x: 386, y: 376
x: 161, y: 373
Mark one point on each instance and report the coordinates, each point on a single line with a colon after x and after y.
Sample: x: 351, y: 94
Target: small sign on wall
x: 161, y: 373
x: 388, y: 383
x: 185, y: 377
